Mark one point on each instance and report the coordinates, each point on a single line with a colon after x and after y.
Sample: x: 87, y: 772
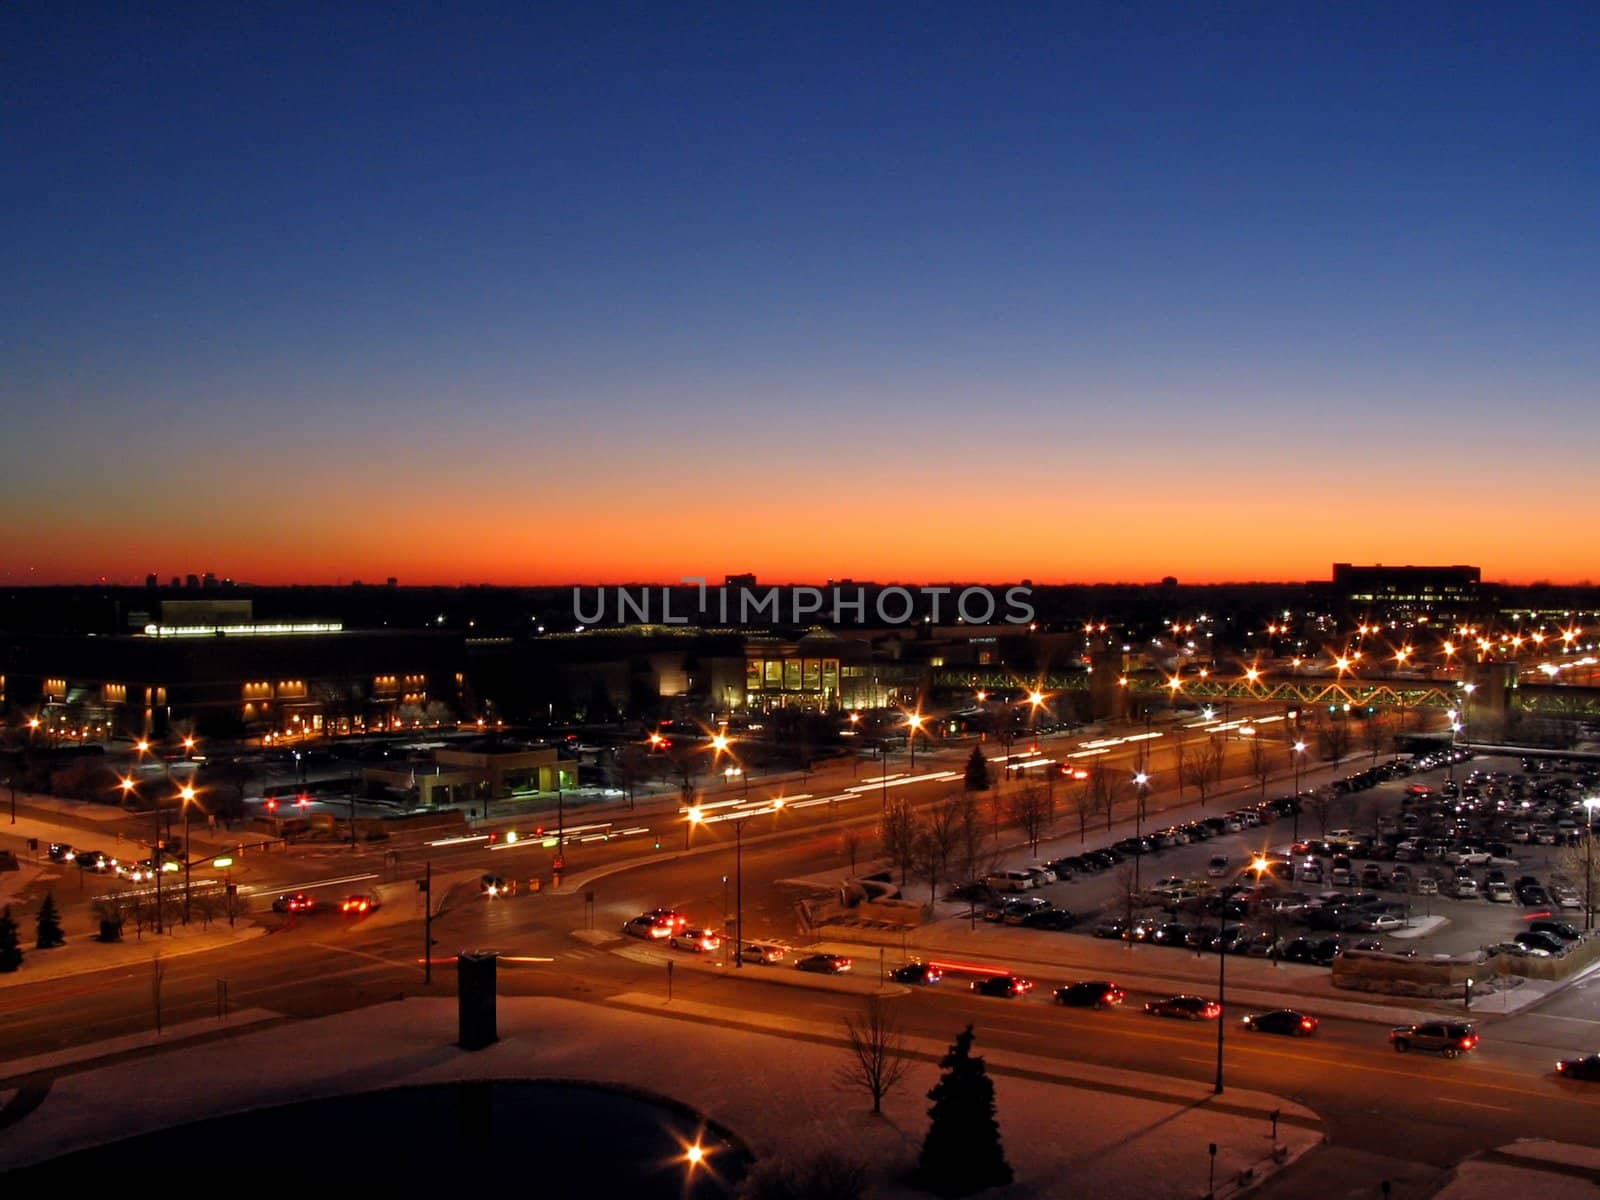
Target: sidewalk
x: 1117, y: 1136
x: 83, y: 955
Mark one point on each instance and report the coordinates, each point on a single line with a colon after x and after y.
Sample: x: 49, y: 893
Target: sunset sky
x: 517, y: 293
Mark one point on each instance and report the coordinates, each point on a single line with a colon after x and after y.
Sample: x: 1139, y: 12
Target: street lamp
x: 131, y: 789
x: 1141, y: 782
x: 1299, y: 758
x: 1589, y: 806
x: 1222, y: 1003
x: 187, y: 796
x: 688, y: 827
x: 913, y: 724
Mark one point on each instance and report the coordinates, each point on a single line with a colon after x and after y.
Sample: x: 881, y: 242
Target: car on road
x: 824, y: 964
x: 1091, y: 993
x: 762, y: 953
x: 60, y: 851
x: 1186, y: 1008
x: 1217, y: 867
x: 1448, y: 1038
x: 95, y: 860
x: 360, y: 904
x: 1005, y: 986
x: 647, y: 926
x: 293, y: 902
x: 1586, y: 1068
x: 1113, y: 927
x: 1287, y: 1021
x: 919, y: 973
x: 697, y: 941
x: 495, y: 885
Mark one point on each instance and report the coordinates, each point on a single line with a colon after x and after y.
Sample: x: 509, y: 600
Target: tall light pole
x: 187, y: 796
x: 913, y: 724
x: 129, y: 788
x: 1222, y: 1003
x: 1589, y: 806
x: 738, y: 891
x: 1299, y: 758
x: 693, y: 819
x: 1141, y: 783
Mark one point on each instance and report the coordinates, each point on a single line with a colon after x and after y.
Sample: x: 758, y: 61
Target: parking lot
x: 1376, y: 867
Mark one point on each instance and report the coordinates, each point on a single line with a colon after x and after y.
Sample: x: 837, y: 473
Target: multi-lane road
x: 1412, y: 1108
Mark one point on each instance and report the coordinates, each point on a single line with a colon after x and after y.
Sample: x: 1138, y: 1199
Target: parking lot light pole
x: 1299, y: 758
x: 1589, y: 806
x: 1222, y: 1003
x: 1141, y: 782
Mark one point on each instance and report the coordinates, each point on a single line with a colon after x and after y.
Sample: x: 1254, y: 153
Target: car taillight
x: 1306, y: 1023
x: 1561, y: 1066
x: 1468, y: 1042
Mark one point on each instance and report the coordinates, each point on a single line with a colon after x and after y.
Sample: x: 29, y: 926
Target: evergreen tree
x: 10, y: 943
x: 977, y: 771
x: 51, y: 934
x: 962, y: 1152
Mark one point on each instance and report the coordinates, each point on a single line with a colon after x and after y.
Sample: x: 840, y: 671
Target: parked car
x: 1382, y: 922
x: 1006, y: 986
x: 1536, y: 940
x: 1566, y: 897
x: 1448, y: 1038
x: 1286, y: 1021
x: 1218, y: 866
x: 1114, y: 927
x: 1565, y: 930
x: 1499, y: 893
x: 1094, y: 993
x: 919, y: 973
x: 1058, y: 919
x: 1187, y: 1008
x: 293, y: 902
x: 824, y: 964
x: 1427, y: 886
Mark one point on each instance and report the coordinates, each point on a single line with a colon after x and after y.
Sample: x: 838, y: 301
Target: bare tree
x: 1261, y: 762
x: 935, y: 842
x: 1105, y: 790
x: 1375, y: 732
x: 897, y: 833
x: 1082, y: 801
x: 629, y: 766
x: 1202, y: 768
x: 1181, y: 754
x: 850, y: 839
x: 879, y: 1057
x: 1333, y: 738
x: 1029, y: 809
x: 970, y: 856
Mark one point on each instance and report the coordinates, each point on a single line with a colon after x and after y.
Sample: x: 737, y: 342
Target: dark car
x: 60, y: 852
x: 1093, y: 993
x: 293, y: 902
x: 1565, y: 930
x: 95, y: 860
x: 1282, y: 1020
x: 1533, y: 895
x: 920, y: 973
x: 1538, y: 940
x: 1586, y: 1068
x: 1448, y: 1038
x: 1188, y: 1008
x: 495, y: 885
x: 1007, y: 986
x: 1114, y: 927
x: 1050, y: 918
x: 824, y: 964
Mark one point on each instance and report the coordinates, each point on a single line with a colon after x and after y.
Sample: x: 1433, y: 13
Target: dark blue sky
x: 786, y: 265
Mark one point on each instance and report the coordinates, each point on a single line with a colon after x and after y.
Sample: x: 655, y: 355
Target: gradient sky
x: 522, y: 293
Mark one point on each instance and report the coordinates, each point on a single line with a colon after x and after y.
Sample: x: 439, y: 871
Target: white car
x: 1500, y: 893
x: 1427, y: 886
x: 1382, y: 923
x: 1467, y: 856
x: 1566, y: 897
